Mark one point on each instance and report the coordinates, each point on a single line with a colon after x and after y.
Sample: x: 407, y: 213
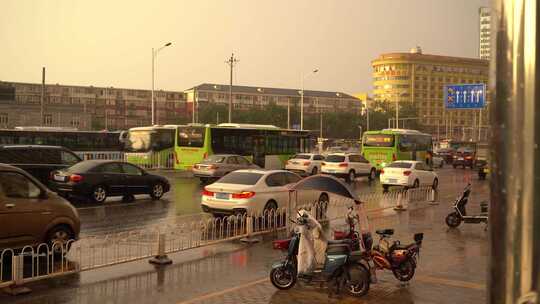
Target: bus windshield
x: 378, y: 140
x: 191, y: 137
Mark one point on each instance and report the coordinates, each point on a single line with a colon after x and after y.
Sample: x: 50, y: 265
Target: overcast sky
x: 100, y: 42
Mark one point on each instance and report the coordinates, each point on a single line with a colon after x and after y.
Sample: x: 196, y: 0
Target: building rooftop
x: 430, y: 58
x: 269, y: 91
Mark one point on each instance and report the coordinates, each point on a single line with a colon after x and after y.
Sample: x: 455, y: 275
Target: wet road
x: 452, y: 266
x: 183, y: 202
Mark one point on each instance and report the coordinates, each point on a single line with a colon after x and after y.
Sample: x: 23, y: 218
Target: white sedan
x: 408, y: 173
x: 305, y: 164
x: 254, y: 191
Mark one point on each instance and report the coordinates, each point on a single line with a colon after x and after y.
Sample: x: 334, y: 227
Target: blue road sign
x: 465, y: 96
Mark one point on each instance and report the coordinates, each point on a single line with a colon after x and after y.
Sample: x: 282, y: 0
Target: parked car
x: 348, y: 166
x: 99, y: 179
x: 253, y: 191
x: 408, y: 174
x: 31, y: 214
x: 39, y: 161
x: 465, y: 158
x: 218, y: 165
x: 305, y: 164
x: 437, y: 161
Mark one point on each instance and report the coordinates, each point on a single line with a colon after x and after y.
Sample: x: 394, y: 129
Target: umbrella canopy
x: 327, y: 184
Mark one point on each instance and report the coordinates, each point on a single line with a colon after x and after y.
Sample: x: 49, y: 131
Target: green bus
x: 182, y: 146
x: 385, y: 146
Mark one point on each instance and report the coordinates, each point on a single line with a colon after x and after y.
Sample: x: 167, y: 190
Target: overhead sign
x: 465, y: 96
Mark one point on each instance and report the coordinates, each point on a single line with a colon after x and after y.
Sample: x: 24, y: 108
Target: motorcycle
x: 400, y: 259
x: 340, y: 268
x: 459, y: 214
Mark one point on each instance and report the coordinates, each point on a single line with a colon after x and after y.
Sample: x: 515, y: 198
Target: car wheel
x: 416, y: 183
x: 372, y: 174
x: 204, y: 180
x: 157, y: 191
x: 58, y: 240
x: 128, y: 198
x: 435, y: 184
x: 314, y: 171
x: 99, y: 194
x: 385, y: 188
x: 455, y: 166
x: 441, y: 165
x: 351, y: 176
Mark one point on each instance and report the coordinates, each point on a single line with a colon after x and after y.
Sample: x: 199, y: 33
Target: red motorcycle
x: 400, y: 259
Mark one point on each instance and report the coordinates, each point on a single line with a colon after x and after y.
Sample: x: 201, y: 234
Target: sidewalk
x: 452, y: 269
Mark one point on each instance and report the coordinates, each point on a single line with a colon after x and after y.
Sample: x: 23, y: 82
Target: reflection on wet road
x: 183, y: 202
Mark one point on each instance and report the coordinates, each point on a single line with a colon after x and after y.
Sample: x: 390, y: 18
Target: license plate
x: 461, y: 158
x: 59, y: 178
x: 295, y: 163
x: 222, y: 196
x: 392, y: 180
x: 331, y: 171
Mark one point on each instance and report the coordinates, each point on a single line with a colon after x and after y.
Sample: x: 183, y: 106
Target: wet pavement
x: 452, y: 265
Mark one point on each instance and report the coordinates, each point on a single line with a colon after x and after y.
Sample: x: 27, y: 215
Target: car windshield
x: 401, y: 165
x: 335, y: 159
x: 301, y: 156
x: 82, y: 167
x: 214, y: 159
x: 241, y: 178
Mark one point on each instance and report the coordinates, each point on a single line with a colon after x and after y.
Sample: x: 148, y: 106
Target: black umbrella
x: 327, y: 184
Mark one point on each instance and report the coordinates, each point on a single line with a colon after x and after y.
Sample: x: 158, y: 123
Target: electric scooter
x: 341, y: 267
x: 459, y: 214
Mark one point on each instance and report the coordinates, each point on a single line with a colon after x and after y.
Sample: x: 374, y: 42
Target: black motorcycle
x: 459, y: 214
x: 341, y: 268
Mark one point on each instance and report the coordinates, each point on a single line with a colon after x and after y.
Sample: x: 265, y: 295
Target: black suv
x: 39, y: 161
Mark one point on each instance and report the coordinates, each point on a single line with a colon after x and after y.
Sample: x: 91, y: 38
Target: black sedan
x: 98, y: 179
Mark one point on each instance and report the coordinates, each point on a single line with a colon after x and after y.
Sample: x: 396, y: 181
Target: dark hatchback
x: 99, y: 179
x: 38, y: 160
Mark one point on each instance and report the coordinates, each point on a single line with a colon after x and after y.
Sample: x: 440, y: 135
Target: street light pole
x: 231, y: 62
x: 302, y: 98
x: 154, y: 54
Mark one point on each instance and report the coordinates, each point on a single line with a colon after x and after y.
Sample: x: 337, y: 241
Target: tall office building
x: 485, y: 32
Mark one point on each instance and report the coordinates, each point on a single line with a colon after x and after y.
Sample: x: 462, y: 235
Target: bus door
x: 259, y: 151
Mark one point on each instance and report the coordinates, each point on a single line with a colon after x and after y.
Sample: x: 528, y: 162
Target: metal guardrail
x: 44, y: 261
x: 143, y: 160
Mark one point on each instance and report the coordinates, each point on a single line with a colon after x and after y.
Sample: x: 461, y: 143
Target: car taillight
x: 394, y: 158
x: 382, y: 171
x: 407, y: 173
x: 343, y: 165
x: 468, y: 157
x: 213, y: 167
x: 205, y: 155
x: 75, y: 178
x: 246, y: 194
x: 307, y: 163
x: 207, y: 193
x: 51, y: 175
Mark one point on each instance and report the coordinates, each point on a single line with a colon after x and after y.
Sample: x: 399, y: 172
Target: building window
x: 75, y: 122
x: 47, y: 119
x: 4, y: 119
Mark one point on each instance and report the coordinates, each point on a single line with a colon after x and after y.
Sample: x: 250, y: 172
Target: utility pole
x: 288, y: 113
x: 231, y: 62
x: 42, y: 95
x: 320, y: 126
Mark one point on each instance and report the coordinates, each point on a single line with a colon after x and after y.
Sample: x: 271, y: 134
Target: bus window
x: 407, y: 143
x: 378, y: 140
x: 191, y: 137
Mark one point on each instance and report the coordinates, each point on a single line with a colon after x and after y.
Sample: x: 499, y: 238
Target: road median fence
x: 20, y: 266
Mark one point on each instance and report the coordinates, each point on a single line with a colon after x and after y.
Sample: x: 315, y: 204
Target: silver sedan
x: 218, y: 165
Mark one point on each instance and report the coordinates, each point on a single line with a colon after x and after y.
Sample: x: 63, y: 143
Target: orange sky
x: 103, y: 42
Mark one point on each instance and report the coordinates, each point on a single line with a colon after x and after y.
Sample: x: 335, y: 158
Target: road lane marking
x: 449, y: 282
x: 222, y: 292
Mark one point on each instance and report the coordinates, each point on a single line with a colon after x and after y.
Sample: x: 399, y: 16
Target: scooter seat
x: 385, y: 231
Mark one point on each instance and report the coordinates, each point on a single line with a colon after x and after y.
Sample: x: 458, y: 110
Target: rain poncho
x: 312, y: 247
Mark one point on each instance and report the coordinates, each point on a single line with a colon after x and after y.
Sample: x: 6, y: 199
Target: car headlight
x: 383, y: 165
